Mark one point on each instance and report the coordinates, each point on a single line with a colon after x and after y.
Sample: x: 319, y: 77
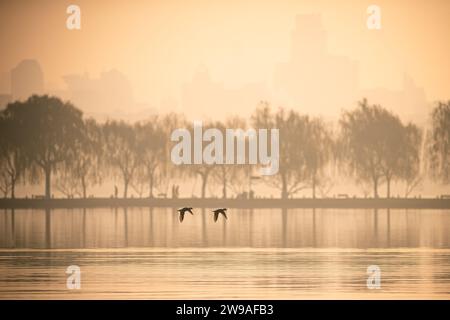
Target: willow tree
x: 378, y: 147
x: 168, y: 172
x: 293, y: 174
x: 84, y: 167
x: 440, y: 142
x: 12, y: 160
x: 151, y: 153
x: 229, y: 176
x: 411, y: 170
x: 317, y: 149
x: 48, y: 132
x: 121, y: 151
x: 202, y: 169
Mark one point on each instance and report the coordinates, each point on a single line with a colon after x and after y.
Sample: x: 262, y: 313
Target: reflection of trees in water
x: 152, y: 235
x: 224, y: 232
x: 83, y: 229
x: 5, y: 221
x: 175, y: 221
x: 48, y: 229
x: 284, y: 227
x: 408, y: 239
x: 250, y: 217
x: 115, y: 219
x: 125, y: 226
x: 314, y: 226
x: 204, y: 233
x: 13, y: 228
x: 375, y: 225
x: 388, y: 229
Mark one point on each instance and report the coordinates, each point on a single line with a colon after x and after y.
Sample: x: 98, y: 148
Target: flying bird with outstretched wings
x: 182, y: 212
x: 219, y: 211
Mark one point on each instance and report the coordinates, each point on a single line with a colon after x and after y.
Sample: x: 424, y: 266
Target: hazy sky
x: 159, y: 45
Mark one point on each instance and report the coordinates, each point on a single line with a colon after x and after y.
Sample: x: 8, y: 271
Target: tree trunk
x: 314, y: 187
x: 284, y: 192
x: 83, y: 186
x: 224, y: 189
x: 125, y: 188
x: 150, y: 187
x: 13, y: 187
x: 375, y: 188
x: 48, y: 173
x: 388, y: 193
x: 204, y: 181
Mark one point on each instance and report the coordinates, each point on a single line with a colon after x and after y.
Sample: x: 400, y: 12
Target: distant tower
x: 309, y: 37
x: 27, y: 78
x: 314, y: 78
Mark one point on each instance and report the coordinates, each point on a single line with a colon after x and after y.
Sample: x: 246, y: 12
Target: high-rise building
x: 27, y: 79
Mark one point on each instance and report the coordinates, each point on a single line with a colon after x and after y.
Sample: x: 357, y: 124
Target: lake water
x: 255, y: 254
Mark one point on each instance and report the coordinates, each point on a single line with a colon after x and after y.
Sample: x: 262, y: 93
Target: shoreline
x: 350, y: 203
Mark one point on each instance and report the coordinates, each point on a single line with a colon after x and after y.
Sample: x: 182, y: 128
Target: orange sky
x: 159, y: 45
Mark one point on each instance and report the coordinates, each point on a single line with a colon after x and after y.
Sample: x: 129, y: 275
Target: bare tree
x: 67, y: 185
x: 410, y: 159
x: 225, y: 175
x: 318, y: 151
x: 439, y: 146
x: 366, y: 137
x: 151, y: 152
x: 49, y: 129
x: 121, y: 149
x: 12, y: 158
x: 292, y: 175
x: 5, y: 181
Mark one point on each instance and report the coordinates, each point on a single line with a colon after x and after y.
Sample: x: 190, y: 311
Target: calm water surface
x: 262, y: 253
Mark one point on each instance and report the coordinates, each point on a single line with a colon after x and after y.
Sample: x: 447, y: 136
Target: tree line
x: 45, y: 139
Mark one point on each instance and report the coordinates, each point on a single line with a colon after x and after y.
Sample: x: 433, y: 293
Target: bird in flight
x: 182, y: 211
x: 218, y: 211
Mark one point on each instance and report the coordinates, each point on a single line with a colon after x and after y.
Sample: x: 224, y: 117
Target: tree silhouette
x: 48, y: 130
x: 440, y: 142
x: 121, y: 148
x: 360, y: 135
x: 151, y: 153
x: 410, y: 158
x: 226, y: 175
x: 317, y: 149
x: 202, y: 170
x: 12, y: 160
x: 46, y: 137
x: 83, y: 167
x: 393, y: 144
x: 167, y: 171
x: 378, y: 146
x: 292, y: 175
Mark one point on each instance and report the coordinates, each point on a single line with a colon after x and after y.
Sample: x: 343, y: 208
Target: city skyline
x: 151, y: 88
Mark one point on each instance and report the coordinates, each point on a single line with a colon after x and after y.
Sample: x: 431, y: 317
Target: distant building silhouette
x: 205, y: 98
x: 109, y: 95
x: 110, y: 91
x: 313, y: 78
x: 27, y: 79
x: 410, y: 100
x: 4, y: 100
x: 5, y: 82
